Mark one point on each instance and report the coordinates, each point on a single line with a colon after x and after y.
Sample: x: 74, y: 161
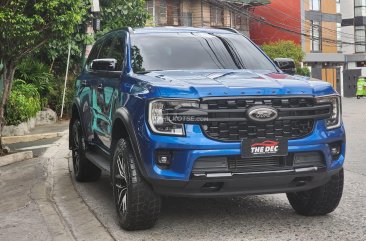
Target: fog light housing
x: 163, y: 158
x: 335, y: 149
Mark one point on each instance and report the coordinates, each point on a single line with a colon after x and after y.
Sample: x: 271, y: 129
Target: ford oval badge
x: 262, y: 113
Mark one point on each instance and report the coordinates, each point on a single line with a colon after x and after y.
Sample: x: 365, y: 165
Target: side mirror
x: 104, y: 65
x: 286, y: 65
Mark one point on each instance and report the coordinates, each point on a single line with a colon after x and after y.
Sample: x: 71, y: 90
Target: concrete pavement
x: 38, y: 201
x: 266, y: 217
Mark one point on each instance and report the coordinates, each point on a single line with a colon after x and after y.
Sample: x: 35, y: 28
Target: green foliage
x: 36, y: 73
x: 119, y: 13
x: 26, y: 25
x: 303, y: 71
x: 23, y: 103
x: 55, y: 99
x: 284, y: 49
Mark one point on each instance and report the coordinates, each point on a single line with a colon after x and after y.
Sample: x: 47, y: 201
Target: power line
x: 306, y: 22
x: 255, y: 18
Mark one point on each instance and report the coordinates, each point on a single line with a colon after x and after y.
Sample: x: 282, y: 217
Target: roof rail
x: 233, y: 30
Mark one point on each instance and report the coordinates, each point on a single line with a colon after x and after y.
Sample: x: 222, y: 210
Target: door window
x: 114, y: 48
x: 93, y: 54
x: 118, y: 51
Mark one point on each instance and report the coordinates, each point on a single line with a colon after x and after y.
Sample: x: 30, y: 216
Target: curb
x: 76, y: 215
x: 16, y: 157
x: 29, y: 138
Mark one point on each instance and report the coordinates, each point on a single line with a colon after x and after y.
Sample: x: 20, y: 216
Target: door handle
x: 84, y: 83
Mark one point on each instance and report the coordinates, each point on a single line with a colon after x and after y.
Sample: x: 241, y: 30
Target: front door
x: 108, y: 89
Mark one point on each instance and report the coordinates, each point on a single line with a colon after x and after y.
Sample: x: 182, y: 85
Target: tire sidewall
x: 122, y: 149
x: 81, y: 151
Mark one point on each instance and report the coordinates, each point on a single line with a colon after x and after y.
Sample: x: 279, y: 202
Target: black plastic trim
x: 262, y: 183
x: 123, y: 114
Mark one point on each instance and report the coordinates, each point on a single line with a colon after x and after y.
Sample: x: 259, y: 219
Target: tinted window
x: 112, y: 47
x: 93, y: 53
x: 189, y: 51
x: 118, y: 50
x: 106, y: 48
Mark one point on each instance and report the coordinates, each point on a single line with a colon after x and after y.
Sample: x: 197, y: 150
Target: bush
x: 303, y: 71
x: 23, y: 103
x: 284, y: 49
x: 37, y: 73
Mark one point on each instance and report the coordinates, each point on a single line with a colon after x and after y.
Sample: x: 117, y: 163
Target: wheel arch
x: 75, y: 114
x: 122, y: 127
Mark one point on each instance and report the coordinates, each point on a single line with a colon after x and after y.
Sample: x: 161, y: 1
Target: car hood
x: 197, y: 84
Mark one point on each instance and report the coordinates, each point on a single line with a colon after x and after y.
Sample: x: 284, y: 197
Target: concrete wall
x: 347, y: 9
x: 347, y: 36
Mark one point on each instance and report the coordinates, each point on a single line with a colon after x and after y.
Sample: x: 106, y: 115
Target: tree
x: 114, y: 14
x: 284, y: 49
x: 25, y: 26
x: 122, y: 13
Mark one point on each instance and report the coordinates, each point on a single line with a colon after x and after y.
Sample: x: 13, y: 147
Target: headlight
x: 166, y: 117
x: 335, y: 120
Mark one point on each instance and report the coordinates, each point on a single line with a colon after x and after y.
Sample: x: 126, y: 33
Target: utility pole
x: 92, y: 26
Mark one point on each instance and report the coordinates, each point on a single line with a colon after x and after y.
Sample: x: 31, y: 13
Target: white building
x: 354, y: 43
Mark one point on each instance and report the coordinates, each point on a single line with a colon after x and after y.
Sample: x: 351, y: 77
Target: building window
x: 150, y: 8
x: 338, y: 5
x: 339, y: 37
x: 360, y: 39
x: 360, y: 8
x: 162, y: 14
x: 187, y: 19
x: 315, y: 36
x: 158, y: 11
x: 361, y: 64
x: 315, y: 5
x: 217, y: 16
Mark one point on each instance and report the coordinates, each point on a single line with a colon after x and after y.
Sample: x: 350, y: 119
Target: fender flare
x: 76, y: 103
x: 123, y: 115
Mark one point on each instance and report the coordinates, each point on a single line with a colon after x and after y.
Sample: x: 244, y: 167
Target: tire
x: 84, y: 170
x: 358, y: 97
x: 321, y: 200
x: 137, y: 206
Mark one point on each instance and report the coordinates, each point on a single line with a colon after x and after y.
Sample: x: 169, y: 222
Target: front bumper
x: 245, y: 184
x: 178, y: 179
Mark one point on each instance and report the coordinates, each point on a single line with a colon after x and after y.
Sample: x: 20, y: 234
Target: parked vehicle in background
x: 202, y: 113
x: 361, y: 87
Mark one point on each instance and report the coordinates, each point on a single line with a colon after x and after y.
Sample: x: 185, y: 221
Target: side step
x: 98, y: 160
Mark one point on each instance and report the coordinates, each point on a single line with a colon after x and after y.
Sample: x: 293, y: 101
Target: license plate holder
x: 264, y: 147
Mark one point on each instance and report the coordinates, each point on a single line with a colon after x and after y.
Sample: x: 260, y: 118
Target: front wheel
x: 137, y: 205
x: 321, y: 200
x: 358, y: 97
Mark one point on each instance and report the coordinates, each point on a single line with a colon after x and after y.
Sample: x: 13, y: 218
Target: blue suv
x: 202, y: 113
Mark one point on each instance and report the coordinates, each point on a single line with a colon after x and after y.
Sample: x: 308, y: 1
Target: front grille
x: 227, y: 118
x: 238, y: 164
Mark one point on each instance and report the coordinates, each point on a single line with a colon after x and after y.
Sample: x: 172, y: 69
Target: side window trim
x: 123, y: 54
x: 98, y: 44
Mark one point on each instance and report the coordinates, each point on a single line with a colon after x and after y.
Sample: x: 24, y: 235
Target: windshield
x: 195, y: 51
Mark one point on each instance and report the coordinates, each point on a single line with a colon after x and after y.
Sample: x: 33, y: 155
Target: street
x: 39, y: 202
x: 267, y: 217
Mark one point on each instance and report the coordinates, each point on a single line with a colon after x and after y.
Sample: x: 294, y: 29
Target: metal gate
x: 350, y: 77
